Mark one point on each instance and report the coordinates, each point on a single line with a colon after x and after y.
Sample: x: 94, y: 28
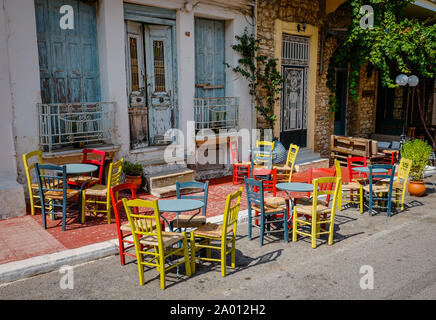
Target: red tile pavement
x: 23, y: 237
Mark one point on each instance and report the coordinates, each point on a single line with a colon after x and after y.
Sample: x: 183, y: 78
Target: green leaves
x: 395, y: 45
x: 419, y: 152
x: 265, y: 81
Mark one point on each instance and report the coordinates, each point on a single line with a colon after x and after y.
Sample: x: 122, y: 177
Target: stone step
x: 314, y: 163
x: 163, y: 184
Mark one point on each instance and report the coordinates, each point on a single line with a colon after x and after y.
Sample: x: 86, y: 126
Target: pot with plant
x: 419, y: 152
x: 133, y: 172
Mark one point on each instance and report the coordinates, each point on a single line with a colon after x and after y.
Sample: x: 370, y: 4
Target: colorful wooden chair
x: 52, y: 183
x: 186, y: 220
x: 152, y: 245
x: 269, y: 178
x: 241, y: 169
x: 225, y: 234
x: 379, y: 188
x: 400, y: 184
x: 317, y: 215
x: 349, y: 190
x: 92, y: 195
x: 284, y: 171
x: 266, y: 215
x: 100, y: 161
x: 32, y: 185
x: 263, y: 155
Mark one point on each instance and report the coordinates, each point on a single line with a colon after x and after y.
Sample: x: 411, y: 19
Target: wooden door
x: 210, y: 76
x: 68, y: 57
x: 160, y: 81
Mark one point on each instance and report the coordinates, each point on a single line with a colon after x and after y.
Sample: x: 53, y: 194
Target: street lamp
x: 405, y: 82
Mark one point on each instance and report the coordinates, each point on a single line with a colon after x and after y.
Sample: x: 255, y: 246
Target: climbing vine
x: 264, y: 80
x: 393, y: 45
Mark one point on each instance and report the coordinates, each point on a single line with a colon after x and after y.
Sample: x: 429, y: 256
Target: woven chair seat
x: 283, y: 167
x: 377, y: 188
x: 275, y: 201
x: 211, y: 230
x: 182, y: 221
x: 307, y: 210
x: 395, y: 185
x: 354, y: 185
x: 58, y: 195
x: 168, y: 239
x: 97, y: 190
x: 268, y: 208
x: 308, y: 201
x: 243, y: 163
x: 82, y: 179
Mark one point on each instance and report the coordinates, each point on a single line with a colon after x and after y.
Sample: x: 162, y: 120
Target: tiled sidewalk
x: 24, y: 237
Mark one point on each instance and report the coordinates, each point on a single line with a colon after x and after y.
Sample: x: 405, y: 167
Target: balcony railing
x: 66, y: 124
x: 216, y: 113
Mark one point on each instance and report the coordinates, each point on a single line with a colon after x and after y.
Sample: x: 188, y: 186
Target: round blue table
x: 178, y: 206
x: 366, y: 170
x: 80, y: 168
x: 294, y: 187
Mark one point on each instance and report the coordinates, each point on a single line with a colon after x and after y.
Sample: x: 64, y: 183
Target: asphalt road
x: 399, y: 252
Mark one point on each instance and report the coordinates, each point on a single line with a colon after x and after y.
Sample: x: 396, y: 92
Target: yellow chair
x: 349, y: 190
x: 317, y: 214
x: 400, y: 185
x: 91, y: 196
x: 35, y: 200
x: 225, y: 234
x: 284, y: 171
x: 153, y: 246
x: 263, y: 159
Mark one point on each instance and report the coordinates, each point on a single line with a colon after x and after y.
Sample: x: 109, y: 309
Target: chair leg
x: 285, y: 227
x: 314, y: 228
x: 83, y: 206
x: 186, y: 256
x: 140, y: 268
x: 162, y: 269
x: 64, y: 217
x: 109, y: 209
x: 361, y: 199
x: 223, y: 257
x: 193, y: 251
x: 249, y: 223
x: 233, y: 252
x: 294, y: 225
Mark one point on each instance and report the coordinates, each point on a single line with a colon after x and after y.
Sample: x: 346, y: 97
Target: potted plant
x: 133, y: 172
x: 419, y: 152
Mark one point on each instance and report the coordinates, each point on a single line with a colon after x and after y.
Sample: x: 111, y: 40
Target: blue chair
x: 186, y: 220
x: 379, y: 188
x: 52, y: 183
x: 266, y: 215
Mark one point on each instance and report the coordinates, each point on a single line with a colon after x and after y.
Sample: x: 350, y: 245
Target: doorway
x: 341, y: 96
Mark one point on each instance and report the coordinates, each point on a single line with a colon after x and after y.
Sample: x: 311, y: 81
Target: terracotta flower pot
x: 134, y: 179
x: 416, y: 188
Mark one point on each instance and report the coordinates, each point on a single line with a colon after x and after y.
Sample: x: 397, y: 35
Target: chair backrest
x: 355, y: 162
x: 254, y: 189
x: 375, y: 178
x: 269, y: 180
x: 118, y: 203
x: 234, y: 151
x: 142, y: 224
x: 203, y: 187
x: 292, y: 156
x: 51, y: 178
x: 317, y: 191
x: 404, y: 169
x: 101, y: 157
x: 338, y: 169
x: 264, y: 152
x: 34, y: 155
x: 115, y: 169
x: 231, y: 211
x: 315, y: 173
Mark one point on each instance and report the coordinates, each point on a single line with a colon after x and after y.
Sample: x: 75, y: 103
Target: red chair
x: 355, y: 162
x: 123, y: 229
x: 240, y: 168
x: 318, y: 173
x: 101, y: 157
x: 269, y: 178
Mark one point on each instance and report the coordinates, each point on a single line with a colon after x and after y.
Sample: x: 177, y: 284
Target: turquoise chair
x: 379, y: 189
x: 266, y: 215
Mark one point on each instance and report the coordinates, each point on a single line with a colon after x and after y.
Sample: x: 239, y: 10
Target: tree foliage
x: 395, y: 44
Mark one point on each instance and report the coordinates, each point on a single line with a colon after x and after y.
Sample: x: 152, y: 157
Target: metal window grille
x: 216, y: 113
x: 64, y: 124
x: 295, y: 50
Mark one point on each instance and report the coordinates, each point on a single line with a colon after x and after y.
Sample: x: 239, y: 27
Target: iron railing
x: 66, y: 124
x: 216, y: 113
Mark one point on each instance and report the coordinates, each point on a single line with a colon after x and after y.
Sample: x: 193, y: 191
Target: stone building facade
x: 330, y: 22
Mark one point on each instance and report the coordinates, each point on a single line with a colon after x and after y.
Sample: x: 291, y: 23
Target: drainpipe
x: 254, y: 31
